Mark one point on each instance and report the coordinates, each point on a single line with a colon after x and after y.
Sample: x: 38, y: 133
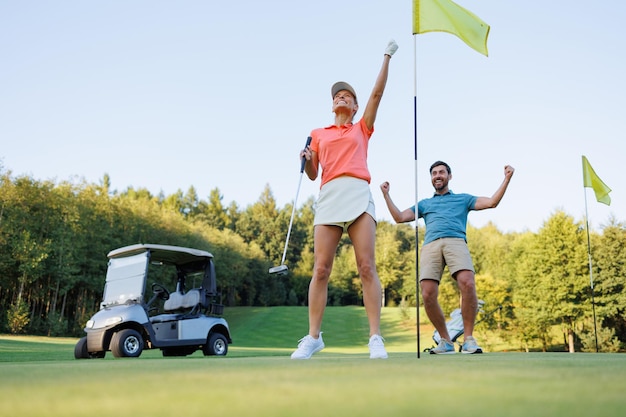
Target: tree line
x: 54, y: 238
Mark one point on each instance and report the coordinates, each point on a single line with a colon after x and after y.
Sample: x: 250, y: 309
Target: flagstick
x: 417, y: 284
x: 593, y: 303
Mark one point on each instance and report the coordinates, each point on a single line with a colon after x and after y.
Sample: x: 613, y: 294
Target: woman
x: 345, y: 203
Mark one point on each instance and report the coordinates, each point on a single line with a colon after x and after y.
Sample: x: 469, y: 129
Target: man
x: 445, y: 217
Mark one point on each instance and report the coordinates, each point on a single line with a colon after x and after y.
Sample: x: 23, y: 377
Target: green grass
x: 39, y: 377
x: 276, y: 331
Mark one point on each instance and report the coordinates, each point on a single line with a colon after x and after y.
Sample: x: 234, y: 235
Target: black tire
x: 217, y: 345
x: 127, y: 343
x: 80, y: 350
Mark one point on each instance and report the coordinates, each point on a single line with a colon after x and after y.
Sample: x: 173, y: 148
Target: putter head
x: 279, y: 270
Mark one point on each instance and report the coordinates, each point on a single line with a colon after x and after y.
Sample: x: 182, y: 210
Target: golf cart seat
x: 191, y: 299
x: 174, y: 307
x: 181, y: 300
x: 197, y: 300
x: 171, y: 307
x: 175, y: 302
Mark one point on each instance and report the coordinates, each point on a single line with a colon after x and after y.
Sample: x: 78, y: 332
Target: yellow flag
x: 591, y: 179
x: 447, y: 16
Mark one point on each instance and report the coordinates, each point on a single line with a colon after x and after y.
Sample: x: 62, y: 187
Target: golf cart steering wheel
x: 160, y: 291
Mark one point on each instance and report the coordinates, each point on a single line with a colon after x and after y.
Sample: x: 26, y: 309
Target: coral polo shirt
x: 342, y: 150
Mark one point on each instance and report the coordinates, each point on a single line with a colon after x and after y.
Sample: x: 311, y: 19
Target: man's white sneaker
x: 470, y: 346
x: 444, y: 347
x: 307, y: 346
x: 377, y: 347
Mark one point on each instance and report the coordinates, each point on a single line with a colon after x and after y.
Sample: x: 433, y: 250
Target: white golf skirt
x: 342, y: 201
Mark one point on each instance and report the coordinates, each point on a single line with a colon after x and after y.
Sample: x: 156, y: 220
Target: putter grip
x: 308, y: 142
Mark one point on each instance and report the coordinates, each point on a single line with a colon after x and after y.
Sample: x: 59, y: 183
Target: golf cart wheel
x: 127, y: 343
x: 80, y: 350
x: 217, y: 345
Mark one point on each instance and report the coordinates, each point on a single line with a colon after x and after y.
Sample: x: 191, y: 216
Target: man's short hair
x: 440, y: 163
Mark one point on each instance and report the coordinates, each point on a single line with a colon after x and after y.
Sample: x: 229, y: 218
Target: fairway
x: 39, y: 377
x: 496, y: 384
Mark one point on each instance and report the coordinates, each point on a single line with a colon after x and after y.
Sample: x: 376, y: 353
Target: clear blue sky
x: 164, y: 95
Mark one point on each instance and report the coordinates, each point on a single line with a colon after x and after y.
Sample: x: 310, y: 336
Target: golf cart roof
x: 175, y: 255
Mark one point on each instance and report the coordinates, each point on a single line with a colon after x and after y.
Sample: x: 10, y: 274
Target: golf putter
x: 282, y: 269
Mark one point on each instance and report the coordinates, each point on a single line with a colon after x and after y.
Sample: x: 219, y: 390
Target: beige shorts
x: 449, y: 251
x: 342, y: 200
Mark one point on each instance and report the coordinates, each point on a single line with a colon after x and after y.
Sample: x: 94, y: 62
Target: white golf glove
x: 392, y: 47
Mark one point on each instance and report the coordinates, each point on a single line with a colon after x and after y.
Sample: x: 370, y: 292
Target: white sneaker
x: 377, y: 347
x: 445, y: 347
x: 307, y: 346
x: 470, y: 346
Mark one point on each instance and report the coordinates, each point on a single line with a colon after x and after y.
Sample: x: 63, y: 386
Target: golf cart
x: 177, y: 321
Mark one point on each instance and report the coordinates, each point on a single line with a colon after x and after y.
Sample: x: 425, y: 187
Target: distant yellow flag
x: 591, y: 179
x: 447, y: 16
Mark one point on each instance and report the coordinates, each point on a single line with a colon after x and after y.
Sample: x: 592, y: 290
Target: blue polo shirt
x: 445, y: 215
